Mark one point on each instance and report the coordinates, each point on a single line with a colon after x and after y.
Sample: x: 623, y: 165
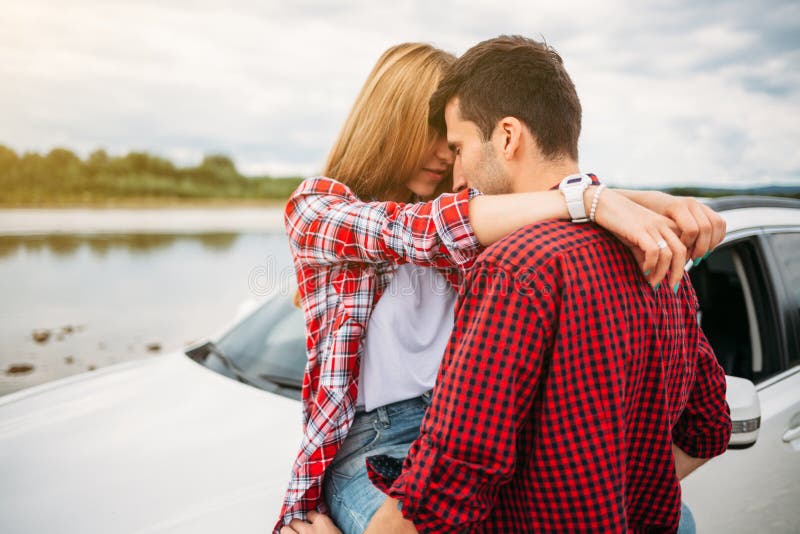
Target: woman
x: 377, y: 326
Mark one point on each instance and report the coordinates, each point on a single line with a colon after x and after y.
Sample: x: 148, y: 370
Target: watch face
x: 575, y: 180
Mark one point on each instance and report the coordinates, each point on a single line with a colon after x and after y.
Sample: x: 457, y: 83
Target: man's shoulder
x: 535, y: 245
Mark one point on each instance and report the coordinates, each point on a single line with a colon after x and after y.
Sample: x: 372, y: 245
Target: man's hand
x: 317, y: 524
x: 389, y: 520
x: 685, y: 464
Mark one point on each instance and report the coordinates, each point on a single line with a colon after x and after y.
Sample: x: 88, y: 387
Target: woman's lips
x: 437, y: 173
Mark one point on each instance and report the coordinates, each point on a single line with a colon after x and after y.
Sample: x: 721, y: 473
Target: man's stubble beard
x: 491, y: 178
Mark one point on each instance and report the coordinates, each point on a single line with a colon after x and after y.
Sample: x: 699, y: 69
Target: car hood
x: 158, y: 445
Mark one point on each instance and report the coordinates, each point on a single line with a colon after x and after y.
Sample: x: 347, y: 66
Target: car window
x: 786, y: 248
x: 736, y: 311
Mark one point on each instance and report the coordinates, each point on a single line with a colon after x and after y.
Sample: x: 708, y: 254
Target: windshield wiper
x: 283, y: 381
x: 199, y: 354
x: 232, y: 367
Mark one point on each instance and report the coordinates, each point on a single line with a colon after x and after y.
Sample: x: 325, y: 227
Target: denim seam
x: 361, y: 450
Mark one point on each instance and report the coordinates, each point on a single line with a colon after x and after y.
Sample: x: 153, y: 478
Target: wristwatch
x: 572, y: 187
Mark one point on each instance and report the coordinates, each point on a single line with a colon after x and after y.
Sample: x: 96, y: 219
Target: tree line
x: 61, y: 177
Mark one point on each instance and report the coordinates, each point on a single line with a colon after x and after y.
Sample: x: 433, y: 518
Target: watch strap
x: 573, y: 187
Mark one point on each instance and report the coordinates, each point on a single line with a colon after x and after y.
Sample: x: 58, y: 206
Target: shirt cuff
x: 707, y: 444
x: 436, y: 492
x: 451, y: 218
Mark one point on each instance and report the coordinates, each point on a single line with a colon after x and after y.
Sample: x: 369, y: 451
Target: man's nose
x: 459, y: 182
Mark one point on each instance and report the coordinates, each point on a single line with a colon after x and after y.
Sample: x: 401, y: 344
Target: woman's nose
x: 444, y: 153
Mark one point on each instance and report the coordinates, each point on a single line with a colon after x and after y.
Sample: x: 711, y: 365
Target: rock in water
x: 41, y: 336
x: 19, y: 369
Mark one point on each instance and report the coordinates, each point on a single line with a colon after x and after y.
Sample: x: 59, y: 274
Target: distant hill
x: 790, y: 191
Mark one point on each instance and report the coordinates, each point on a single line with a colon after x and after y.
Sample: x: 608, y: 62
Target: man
x: 572, y: 396
x: 568, y: 379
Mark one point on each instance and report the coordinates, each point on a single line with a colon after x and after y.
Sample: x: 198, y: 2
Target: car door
x: 749, y: 291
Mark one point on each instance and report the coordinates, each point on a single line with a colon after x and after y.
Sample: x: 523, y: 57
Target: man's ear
x: 508, y: 136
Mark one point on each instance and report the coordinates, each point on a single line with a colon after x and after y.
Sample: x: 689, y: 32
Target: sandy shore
x: 30, y: 221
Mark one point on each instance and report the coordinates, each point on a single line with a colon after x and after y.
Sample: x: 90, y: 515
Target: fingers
x: 700, y: 228
x: 678, y: 261
x: 668, y: 265
x: 322, y: 524
x: 649, y: 251
x: 317, y: 524
x: 702, y: 243
x: 654, y: 256
x: 317, y: 518
x: 638, y: 254
x: 718, y: 225
x: 655, y: 239
x: 686, y: 221
x: 663, y: 260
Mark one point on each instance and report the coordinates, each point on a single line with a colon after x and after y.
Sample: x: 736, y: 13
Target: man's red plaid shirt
x: 565, y: 383
x: 345, y: 252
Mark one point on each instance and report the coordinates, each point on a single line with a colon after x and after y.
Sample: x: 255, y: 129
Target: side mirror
x: 745, y: 408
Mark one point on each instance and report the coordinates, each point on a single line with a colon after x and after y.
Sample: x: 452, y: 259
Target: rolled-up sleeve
x: 328, y: 224
x: 704, y: 428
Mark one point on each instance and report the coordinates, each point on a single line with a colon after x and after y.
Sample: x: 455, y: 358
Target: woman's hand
x: 653, y: 238
x: 317, y: 524
x: 700, y: 228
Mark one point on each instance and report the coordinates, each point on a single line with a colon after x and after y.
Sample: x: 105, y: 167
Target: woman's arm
x: 495, y: 216
x: 328, y: 224
x: 641, y: 220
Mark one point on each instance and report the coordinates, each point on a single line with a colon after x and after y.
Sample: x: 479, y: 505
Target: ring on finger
x: 661, y: 244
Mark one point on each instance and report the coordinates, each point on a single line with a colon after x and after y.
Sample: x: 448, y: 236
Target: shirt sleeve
x: 704, y: 428
x: 467, y: 445
x: 328, y: 224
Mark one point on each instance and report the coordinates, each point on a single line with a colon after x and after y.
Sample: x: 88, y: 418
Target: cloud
x: 687, y: 92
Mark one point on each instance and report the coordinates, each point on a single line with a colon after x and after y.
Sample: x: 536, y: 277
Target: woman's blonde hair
x: 386, y: 135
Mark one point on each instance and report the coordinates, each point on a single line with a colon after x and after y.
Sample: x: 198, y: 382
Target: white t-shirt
x: 406, y: 337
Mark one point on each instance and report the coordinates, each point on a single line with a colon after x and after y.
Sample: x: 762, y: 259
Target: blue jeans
x: 390, y: 430
x: 687, y: 525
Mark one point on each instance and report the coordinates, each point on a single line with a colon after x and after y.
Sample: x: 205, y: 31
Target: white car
x: 749, y: 292
x: 161, y: 445
x: 184, y: 443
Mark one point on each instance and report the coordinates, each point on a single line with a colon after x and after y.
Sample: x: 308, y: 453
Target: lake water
x: 81, y: 289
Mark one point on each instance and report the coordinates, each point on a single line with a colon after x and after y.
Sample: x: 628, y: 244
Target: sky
x: 675, y: 92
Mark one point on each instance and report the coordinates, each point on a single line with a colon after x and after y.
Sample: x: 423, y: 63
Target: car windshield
x: 266, y: 350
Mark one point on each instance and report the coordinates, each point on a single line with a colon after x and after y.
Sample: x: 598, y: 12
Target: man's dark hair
x: 513, y: 76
